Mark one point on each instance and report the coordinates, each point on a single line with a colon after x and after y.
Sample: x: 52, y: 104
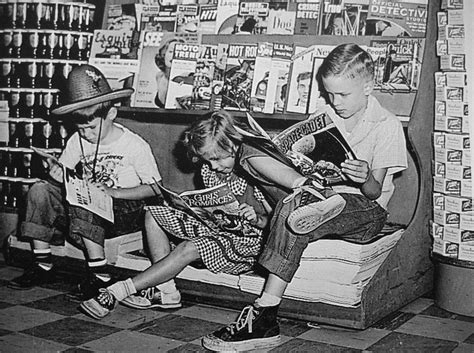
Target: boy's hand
x: 56, y: 172
x: 356, y: 170
x: 109, y: 191
x: 248, y: 212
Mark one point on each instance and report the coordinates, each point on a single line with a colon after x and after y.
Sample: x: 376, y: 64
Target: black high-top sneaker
x: 314, y: 208
x: 255, y: 328
x: 89, y: 288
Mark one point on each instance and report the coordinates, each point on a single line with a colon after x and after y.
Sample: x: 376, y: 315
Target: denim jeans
x: 360, y: 221
x: 48, y: 216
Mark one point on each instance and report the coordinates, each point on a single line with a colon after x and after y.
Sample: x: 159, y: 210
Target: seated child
x: 377, y: 139
x: 113, y: 158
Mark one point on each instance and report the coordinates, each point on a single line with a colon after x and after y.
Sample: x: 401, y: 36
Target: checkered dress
x: 220, y: 251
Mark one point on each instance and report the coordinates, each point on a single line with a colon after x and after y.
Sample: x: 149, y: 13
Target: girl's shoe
x: 100, y: 306
x: 153, y: 298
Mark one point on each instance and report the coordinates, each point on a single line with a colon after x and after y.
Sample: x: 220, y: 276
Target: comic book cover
x: 316, y: 145
x: 277, y: 85
x: 307, y: 16
x: 115, y: 53
x: 207, y: 18
x: 399, y: 18
x: 344, y: 18
x: 203, y: 78
x: 187, y: 19
x: 183, y: 67
x: 263, y: 63
x: 281, y: 20
x: 155, y: 65
x: 253, y: 15
x: 215, y: 207
x: 238, y: 76
x: 226, y: 16
x: 159, y: 18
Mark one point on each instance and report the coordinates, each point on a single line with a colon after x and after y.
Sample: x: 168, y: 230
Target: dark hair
x: 348, y: 60
x: 248, y: 25
x: 303, y: 76
x: 87, y: 114
x: 160, y: 56
x: 214, y: 134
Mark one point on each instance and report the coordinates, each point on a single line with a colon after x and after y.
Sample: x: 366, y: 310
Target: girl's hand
x: 248, y: 212
x: 56, y: 172
x: 356, y: 170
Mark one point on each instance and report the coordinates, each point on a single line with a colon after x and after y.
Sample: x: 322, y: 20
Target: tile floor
x: 44, y: 320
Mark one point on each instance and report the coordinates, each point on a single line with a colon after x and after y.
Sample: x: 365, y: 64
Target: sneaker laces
x: 246, y: 317
x: 148, y: 293
x: 305, y: 188
x: 105, y: 298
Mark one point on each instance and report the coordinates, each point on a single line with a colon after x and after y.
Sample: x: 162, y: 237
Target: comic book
x: 226, y: 16
x: 183, y: 67
x: 307, y: 16
x: 153, y: 77
x: 203, y: 78
x: 263, y: 63
x: 278, y: 78
x: 399, y: 18
x: 115, y: 54
x: 215, y: 207
x: 238, y: 76
x: 187, y: 19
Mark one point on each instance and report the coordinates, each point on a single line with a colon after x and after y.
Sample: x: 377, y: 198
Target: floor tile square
x: 4, y: 332
x: 464, y: 348
x: 393, y: 321
x: 435, y: 327
x: 4, y: 305
x: 301, y: 345
x: 71, y: 331
x: 178, y: 327
x: 58, y: 304
x: 18, y: 318
x: 470, y: 339
x: 417, y: 306
x: 126, y: 318
x: 14, y: 296
x: 292, y: 328
x: 209, y: 313
x: 188, y: 347
x: 9, y: 273
x: 132, y: 341
x: 401, y: 342
x: 435, y: 310
x: 346, y: 338
x: 21, y: 343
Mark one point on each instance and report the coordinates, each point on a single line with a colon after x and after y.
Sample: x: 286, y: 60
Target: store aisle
x: 44, y: 320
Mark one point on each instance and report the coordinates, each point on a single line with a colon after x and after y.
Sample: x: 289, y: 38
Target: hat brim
x: 114, y: 95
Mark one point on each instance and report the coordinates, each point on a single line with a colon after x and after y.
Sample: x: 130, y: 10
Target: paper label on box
x: 454, y: 17
x: 457, y: 141
x: 456, y: 79
x: 466, y: 252
x: 455, y: 46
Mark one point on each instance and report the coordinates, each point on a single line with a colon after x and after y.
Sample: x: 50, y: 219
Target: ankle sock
x: 99, y: 268
x: 43, y: 258
x: 167, y: 287
x: 122, y: 289
x: 267, y: 300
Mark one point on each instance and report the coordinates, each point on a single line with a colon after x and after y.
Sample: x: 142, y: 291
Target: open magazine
x: 216, y: 207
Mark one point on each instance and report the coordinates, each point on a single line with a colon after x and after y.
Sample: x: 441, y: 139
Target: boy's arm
x: 139, y: 192
x: 370, y: 181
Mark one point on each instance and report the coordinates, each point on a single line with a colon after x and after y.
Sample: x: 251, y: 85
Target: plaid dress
x: 219, y: 250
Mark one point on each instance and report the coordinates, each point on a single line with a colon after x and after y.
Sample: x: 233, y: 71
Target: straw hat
x: 87, y: 86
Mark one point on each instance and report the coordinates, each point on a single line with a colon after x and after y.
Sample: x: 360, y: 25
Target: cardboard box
x: 437, y: 230
x: 438, y: 201
x: 454, y: 62
x: 453, y: 17
x: 445, y: 248
x: 444, y: 155
x: 457, y: 204
x: 456, y: 79
x: 456, y: 172
x: 457, y: 141
x: 455, y: 46
x: 466, y: 252
x: 439, y: 139
x: 440, y: 79
x: 445, y: 218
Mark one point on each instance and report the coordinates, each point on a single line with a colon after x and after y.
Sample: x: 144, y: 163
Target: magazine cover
x: 115, y: 53
x: 320, y: 52
x: 344, y: 18
x: 316, y: 145
x: 207, y: 18
x: 281, y: 20
x: 187, y: 19
x: 215, y: 207
x: 218, y: 79
x: 183, y: 67
x: 226, y: 16
x: 203, y: 78
x: 122, y: 17
x: 308, y: 15
x: 263, y: 63
x: 159, y: 18
x: 238, y: 76
x: 399, y: 18
x: 278, y: 78
x: 253, y: 15
x: 155, y: 66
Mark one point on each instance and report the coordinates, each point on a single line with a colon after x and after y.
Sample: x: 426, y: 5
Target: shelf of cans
x: 452, y: 226
x: 41, y: 41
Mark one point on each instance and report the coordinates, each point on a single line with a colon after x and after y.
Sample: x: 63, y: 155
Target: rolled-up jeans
x: 49, y: 217
x: 360, y: 221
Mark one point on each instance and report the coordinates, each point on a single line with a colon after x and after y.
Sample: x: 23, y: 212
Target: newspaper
x: 215, y: 207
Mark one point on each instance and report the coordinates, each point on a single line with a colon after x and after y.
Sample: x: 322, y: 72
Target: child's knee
x: 188, y: 250
x: 39, y: 192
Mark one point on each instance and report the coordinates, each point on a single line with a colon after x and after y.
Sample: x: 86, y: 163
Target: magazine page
x: 348, y: 18
x: 80, y: 193
x: 316, y: 145
x: 207, y: 18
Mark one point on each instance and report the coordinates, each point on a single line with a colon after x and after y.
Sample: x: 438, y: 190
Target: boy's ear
x: 112, y: 114
x: 368, y: 87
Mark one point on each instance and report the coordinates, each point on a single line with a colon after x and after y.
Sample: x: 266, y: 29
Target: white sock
x: 167, y: 287
x: 122, y: 289
x: 267, y: 300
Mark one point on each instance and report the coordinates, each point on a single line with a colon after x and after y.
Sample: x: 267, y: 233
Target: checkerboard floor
x: 44, y: 320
